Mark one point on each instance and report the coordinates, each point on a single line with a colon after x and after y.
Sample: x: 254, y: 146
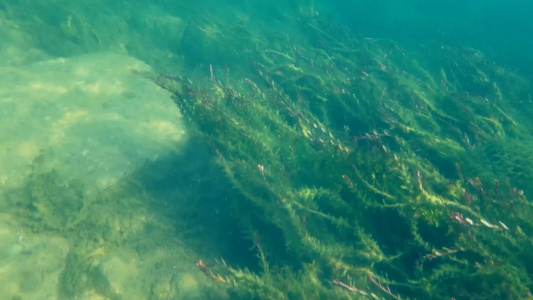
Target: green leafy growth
x: 370, y: 161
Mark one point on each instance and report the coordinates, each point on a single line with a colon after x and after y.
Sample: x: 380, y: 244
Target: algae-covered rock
x: 72, y: 131
x: 93, y: 119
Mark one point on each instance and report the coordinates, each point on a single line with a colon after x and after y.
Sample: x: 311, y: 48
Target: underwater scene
x: 266, y: 149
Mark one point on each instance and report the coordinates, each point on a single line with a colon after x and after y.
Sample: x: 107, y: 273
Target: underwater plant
x: 366, y: 163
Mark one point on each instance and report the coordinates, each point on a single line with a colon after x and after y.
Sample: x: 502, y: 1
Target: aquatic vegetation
x: 354, y: 168
x: 358, y: 158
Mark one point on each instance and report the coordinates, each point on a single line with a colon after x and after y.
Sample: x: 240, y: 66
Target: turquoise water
x: 498, y: 29
x: 266, y: 150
